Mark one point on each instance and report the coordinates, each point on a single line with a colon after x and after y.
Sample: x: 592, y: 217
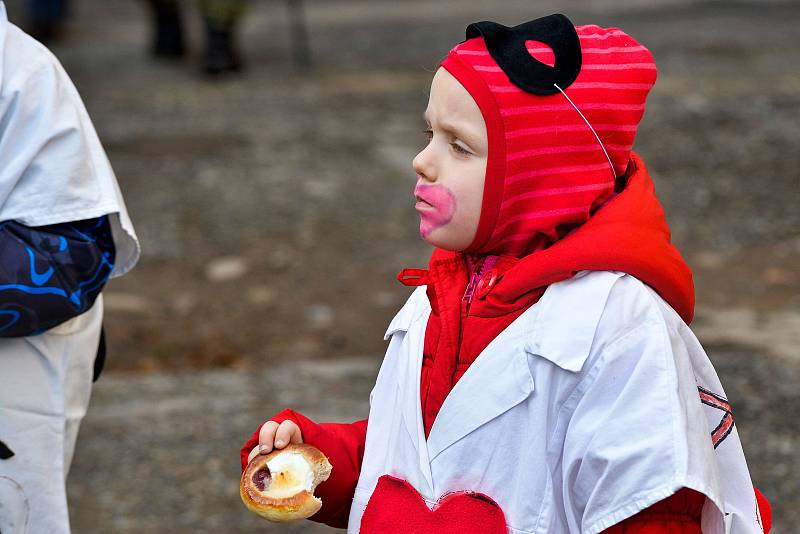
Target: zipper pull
x: 413, y: 277
x: 469, y: 292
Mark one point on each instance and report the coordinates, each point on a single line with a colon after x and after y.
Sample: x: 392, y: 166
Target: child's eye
x: 459, y: 149
x: 428, y: 134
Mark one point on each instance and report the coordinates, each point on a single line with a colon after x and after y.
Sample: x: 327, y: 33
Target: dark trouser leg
x: 167, y: 28
x: 221, y: 18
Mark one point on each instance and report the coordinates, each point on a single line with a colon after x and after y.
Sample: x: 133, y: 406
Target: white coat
x: 52, y: 170
x: 584, y: 411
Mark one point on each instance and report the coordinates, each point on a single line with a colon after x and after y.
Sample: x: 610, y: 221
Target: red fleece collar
x: 628, y: 234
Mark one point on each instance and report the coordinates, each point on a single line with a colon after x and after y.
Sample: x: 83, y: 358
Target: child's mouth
x: 435, y: 205
x: 422, y: 204
x: 433, y: 197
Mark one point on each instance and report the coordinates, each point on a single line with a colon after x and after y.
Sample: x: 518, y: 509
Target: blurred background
x: 267, y: 172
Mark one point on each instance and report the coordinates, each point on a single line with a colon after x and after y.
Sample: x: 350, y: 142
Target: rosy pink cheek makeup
x: 436, y: 205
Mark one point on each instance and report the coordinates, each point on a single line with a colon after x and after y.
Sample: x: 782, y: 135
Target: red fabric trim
x: 765, y: 509
x: 493, y: 186
x: 678, y: 514
x: 343, y: 444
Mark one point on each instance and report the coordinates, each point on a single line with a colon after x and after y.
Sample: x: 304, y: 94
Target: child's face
x: 451, y: 168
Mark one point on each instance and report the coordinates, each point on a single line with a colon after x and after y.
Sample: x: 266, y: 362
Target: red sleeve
x: 677, y: 514
x: 343, y: 444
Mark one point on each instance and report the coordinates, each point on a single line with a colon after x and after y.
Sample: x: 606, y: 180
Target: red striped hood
x: 546, y: 172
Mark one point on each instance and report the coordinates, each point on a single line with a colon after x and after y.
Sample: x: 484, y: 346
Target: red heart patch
x: 396, y: 507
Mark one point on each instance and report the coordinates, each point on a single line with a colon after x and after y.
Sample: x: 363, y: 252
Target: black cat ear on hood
x: 507, y: 47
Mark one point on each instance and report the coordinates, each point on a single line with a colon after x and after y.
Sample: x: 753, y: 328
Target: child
x: 64, y: 231
x: 542, y: 378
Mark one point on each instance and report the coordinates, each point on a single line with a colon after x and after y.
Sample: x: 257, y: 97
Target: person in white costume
x: 64, y: 230
x: 543, y: 379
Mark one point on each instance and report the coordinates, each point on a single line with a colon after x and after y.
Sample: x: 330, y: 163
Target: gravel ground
x: 274, y: 210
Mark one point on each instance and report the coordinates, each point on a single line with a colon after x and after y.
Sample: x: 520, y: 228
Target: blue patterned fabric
x: 49, y: 274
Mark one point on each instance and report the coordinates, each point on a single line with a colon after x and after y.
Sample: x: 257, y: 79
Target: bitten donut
x: 279, y: 486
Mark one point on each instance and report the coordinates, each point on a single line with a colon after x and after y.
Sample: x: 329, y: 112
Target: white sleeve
x: 53, y: 168
x: 637, y: 433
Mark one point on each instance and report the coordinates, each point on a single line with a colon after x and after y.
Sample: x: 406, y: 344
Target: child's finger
x: 266, y: 436
x: 288, y: 432
x: 253, y: 454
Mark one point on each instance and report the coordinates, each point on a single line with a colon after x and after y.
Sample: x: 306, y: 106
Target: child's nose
x: 423, y: 167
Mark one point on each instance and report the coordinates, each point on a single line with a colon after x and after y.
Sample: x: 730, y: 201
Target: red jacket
x: 628, y: 234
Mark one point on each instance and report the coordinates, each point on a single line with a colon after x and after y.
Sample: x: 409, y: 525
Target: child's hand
x: 272, y: 435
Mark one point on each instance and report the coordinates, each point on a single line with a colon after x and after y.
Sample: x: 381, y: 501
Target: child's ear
x: 508, y: 47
